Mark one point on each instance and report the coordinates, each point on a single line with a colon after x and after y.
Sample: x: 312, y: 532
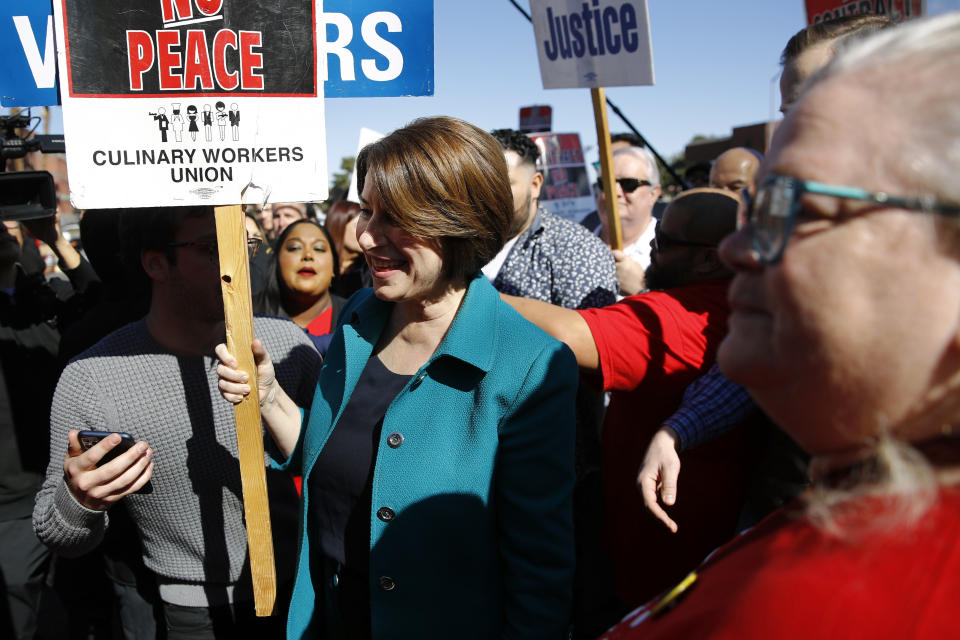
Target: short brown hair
x: 444, y: 179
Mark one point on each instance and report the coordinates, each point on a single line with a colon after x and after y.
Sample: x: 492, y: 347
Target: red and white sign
x: 536, y: 118
x: 566, y: 185
x: 189, y: 102
x: 897, y: 10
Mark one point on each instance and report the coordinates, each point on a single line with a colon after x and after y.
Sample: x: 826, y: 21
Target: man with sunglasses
x: 646, y: 349
x: 156, y: 379
x: 638, y: 189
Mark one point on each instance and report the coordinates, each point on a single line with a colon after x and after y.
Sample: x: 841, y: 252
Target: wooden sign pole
x: 238, y: 313
x: 614, y: 235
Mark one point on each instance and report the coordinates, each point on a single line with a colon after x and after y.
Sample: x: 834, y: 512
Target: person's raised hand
x: 659, y: 473
x: 46, y: 229
x: 629, y: 273
x: 98, y: 488
x: 234, y: 383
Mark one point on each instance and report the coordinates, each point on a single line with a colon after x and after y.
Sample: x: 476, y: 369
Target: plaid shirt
x: 712, y: 405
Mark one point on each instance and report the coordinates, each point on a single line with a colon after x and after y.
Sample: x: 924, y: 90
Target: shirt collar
x: 480, y: 308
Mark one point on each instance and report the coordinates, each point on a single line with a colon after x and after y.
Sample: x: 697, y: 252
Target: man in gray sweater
x: 156, y: 379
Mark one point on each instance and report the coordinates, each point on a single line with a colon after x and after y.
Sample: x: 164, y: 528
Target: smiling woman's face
x: 306, y: 261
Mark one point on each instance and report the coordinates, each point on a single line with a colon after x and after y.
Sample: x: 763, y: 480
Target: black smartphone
x: 90, y: 438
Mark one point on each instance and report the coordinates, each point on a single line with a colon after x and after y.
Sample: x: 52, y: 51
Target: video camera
x: 27, y: 195
x: 14, y: 146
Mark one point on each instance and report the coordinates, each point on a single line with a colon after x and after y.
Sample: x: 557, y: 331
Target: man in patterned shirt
x: 547, y: 257
x: 558, y: 261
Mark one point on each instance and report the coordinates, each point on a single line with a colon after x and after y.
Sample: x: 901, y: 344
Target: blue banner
x: 28, y: 73
x: 379, y: 48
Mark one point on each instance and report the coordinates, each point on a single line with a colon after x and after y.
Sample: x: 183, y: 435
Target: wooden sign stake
x: 238, y: 313
x: 614, y: 235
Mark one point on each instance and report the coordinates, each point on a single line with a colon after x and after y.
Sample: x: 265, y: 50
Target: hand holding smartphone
x: 97, y: 485
x: 90, y: 438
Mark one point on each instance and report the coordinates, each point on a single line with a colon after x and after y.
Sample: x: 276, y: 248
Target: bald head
x: 735, y: 169
x: 685, y: 247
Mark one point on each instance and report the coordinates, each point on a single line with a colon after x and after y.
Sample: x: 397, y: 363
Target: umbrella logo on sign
x: 591, y: 76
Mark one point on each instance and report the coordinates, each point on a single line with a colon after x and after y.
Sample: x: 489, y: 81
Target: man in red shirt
x: 646, y: 349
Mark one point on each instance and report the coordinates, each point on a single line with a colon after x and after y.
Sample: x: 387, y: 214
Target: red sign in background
x: 897, y: 10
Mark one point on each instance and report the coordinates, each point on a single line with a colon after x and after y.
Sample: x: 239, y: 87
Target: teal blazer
x: 475, y: 470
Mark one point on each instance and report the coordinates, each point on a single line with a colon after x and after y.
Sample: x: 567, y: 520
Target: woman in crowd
x: 299, y: 277
x: 438, y: 454
x: 341, y: 222
x: 845, y: 328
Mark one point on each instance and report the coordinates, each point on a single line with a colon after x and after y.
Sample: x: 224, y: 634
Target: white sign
x: 367, y: 136
x: 593, y: 43
x: 566, y: 187
x: 189, y: 102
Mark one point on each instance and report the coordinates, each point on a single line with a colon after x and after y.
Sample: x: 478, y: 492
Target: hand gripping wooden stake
x: 238, y: 313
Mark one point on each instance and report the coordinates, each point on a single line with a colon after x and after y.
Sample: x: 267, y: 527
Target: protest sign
x: 367, y: 136
x: 595, y: 44
x: 186, y: 102
x: 896, y: 10
x: 372, y: 48
x: 592, y: 43
x: 378, y: 48
x: 536, y: 118
x: 28, y: 74
x: 566, y: 184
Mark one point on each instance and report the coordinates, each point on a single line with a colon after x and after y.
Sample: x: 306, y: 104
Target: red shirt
x: 651, y: 347
x: 321, y: 324
x: 787, y: 579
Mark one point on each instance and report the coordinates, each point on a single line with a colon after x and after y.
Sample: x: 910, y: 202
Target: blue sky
x: 716, y: 66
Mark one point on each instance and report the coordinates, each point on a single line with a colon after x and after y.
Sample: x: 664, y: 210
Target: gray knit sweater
x: 191, y: 526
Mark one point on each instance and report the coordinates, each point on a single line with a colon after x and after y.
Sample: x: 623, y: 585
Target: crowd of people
x: 477, y: 415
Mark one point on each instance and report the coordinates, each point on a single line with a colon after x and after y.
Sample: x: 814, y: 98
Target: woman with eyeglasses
x: 438, y: 453
x: 845, y: 329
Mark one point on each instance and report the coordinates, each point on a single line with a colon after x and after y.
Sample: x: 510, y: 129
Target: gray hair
x: 913, y: 70
x: 653, y: 171
x: 910, y: 71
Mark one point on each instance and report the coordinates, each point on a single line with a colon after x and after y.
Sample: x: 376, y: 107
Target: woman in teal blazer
x: 463, y: 501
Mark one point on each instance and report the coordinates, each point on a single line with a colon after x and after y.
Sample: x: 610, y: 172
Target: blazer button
x: 386, y: 514
x: 416, y: 381
x: 386, y: 583
x: 394, y: 440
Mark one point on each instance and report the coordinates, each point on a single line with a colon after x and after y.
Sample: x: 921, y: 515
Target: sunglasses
x: 662, y: 239
x: 629, y: 185
x: 771, y: 213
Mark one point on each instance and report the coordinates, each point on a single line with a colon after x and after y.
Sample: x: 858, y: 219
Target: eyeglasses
x: 629, y: 185
x: 210, y: 246
x: 772, y: 213
x: 662, y: 239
